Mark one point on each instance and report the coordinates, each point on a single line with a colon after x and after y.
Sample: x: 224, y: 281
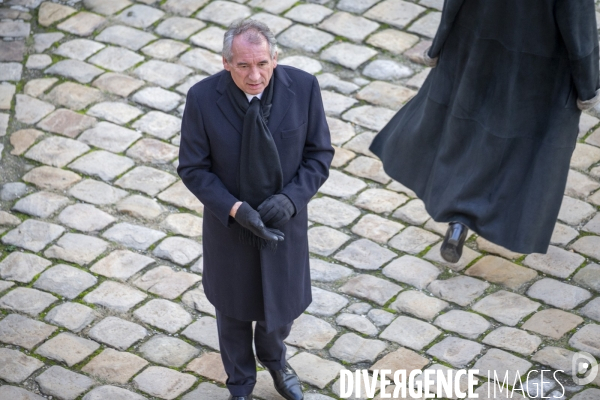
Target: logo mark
x: 584, y: 367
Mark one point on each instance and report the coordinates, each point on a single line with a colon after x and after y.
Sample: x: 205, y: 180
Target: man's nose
x: 254, y: 74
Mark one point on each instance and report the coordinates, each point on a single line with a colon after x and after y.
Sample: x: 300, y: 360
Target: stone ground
x: 100, y: 254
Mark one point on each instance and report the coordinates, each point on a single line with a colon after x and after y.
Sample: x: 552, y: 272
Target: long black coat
x: 488, y: 138
x: 239, y: 280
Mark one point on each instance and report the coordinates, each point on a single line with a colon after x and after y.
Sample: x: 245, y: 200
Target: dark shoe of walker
x: 287, y: 383
x: 454, y: 240
x: 249, y: 397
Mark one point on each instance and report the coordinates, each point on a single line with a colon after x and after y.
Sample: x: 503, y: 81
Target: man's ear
x: 275, y: 60
x: 226, y: 65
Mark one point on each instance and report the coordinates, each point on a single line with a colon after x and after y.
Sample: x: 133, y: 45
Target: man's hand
x: 247, y: 217
x: 276, y: 210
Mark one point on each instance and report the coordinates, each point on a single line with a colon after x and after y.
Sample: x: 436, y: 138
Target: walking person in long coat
x: 487, y: 140
x: 255, y: 147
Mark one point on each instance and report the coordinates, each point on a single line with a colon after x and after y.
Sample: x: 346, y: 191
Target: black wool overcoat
x: 242, y: 281
x: 488, y: 138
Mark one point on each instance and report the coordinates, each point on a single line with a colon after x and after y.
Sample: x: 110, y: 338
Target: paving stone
x: 166, y: 282
x: 552, y: 323
x: 322, y: 271
x: 96, y: 192
x: 117, y: 112
x: 501, y: 362
x: 131, y: 38
x: 361, y: 143
x: 587, y: 339
x: 158, y: 124
x: 67, y: 348
x: 392, y: 40
x: 183, y: 224
x: 74, y: 96
x: 82, y: 24
x: 114, y: 366
x: 13, y: 190
x: 467, y: 257
x: 588, y: 394
x: 153, y: 151
x: 66, y: 122
x: 275, y: 23
x: 272, y: 6
x: 223, y: 12
x: 180, y: 196
x: 513, y: 339
x: 359, y: 308
x: 580, y: 185
x: 588, y: 245
x: 352, y: 348
x: 12, y: 51
x: 558, y: 294
x: 12, y: 392
x: 140, y: 207
x: 555, y: 357
x: 56, y: 151
x: 369, y: 117
x: 341, y: 185
x: 203, y: 331
x: 312, y: 66
x: 168, y: 351
x: 119, y: 84
x: 376, y: 228
x: 589, y: 276
x: 117, y: 332
x: 29, y: 110
x: 8, y: 219
x: 397, y: 13
x: 385, y: 94
x: 134, y: 236
x: 356, y: 6
x: 358, y: 323
x: 109, y: 136
x: 22, y: 139
x: 62, y: 383
x: 461, y: 290
x: 593, y: 225
x: 14, y: 28
x: 427, y: 26
x: 341, y: 157
x: 11, y: 71
x: 326, y: 303
x: 3, y: 125
x: 315, y: 370
x: 15, y: 366
x: 467, y: 324
x: 210, y: 366
x: 121, y: 264
x: 111, y: 392
x: 506, y: 307
x: 203, y: 60
x: 140, y: 16
x: 498, y: 270
x: 162, y: 73
x: 77, y: 248
x: 177, y: 27
x: 380, y: 200
x: 43, y: 41
x: 300, y: 37
x: 207, y: 391
x: 196, y: 299
x: 323, y: 240
x: 309, y: 13
x: 75, y: 69
x: 413, y: 240
x: 73, y: 316
x: 164, y: 49
x: 22, y: 267
x: 310, y: 333
x: 574, y: 212
x: 106, y: 7
x: 418, y: 80
x: 21, y: 331
x: 485, y: 245
x: 412, y: 270
x: 145, y: 179
x: 413, y: 212
x: 327, y: 81
x: 364, y: 254
x: 348, y: 55
x: 33, y: 235
x: 210, y: 38
x: 331, y: 212
x: 7, y: 92
x: 367, y: 167
x: 65, y: 280
x: 584, y: 156
x: 419, y: 304
x: 410, y: 332
x: 163, y: 382
x: 401, y: 359
x: 344, y: 24
x: 115, y: 296
x: 103, y: 164
x: 158, y: 98
x: 455, y: 351
x: 371, y: 288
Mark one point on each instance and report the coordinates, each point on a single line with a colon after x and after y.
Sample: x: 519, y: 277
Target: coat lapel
x: 225, y: 104
x: 282, y: 98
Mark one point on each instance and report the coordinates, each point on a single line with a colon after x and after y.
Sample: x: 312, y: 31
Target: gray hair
x: 254, y: 31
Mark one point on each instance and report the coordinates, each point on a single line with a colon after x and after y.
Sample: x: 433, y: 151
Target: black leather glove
x: 276, y: 210
x: 247, y: 217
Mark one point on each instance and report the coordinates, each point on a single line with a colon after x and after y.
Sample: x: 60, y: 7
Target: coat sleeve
x: 576, y: 20
x: 316, y: 155
x: 195, y: 163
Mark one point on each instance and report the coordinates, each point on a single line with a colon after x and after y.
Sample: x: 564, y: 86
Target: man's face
x: 251, y: 66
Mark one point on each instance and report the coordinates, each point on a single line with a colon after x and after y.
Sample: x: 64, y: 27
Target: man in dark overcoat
x: 255, y: 147
x: 488, y: 139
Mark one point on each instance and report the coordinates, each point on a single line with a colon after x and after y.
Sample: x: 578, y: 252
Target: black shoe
x: 454, y: 240
x: 249, y: 397
x: 287, y: 383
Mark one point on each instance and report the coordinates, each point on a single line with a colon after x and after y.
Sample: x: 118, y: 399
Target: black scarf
x: 260, y: 169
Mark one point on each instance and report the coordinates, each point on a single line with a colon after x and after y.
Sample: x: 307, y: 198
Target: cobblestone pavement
x: 100, y: 254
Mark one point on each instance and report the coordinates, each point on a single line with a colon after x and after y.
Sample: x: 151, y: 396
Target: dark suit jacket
x: 239, y: 280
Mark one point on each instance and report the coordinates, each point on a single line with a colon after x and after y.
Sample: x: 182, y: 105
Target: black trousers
x: 235, y: 342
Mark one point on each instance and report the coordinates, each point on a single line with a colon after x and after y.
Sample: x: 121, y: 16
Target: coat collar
x: 283, y: 97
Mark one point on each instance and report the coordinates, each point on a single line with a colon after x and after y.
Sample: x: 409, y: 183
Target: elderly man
x: 255, y: 147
